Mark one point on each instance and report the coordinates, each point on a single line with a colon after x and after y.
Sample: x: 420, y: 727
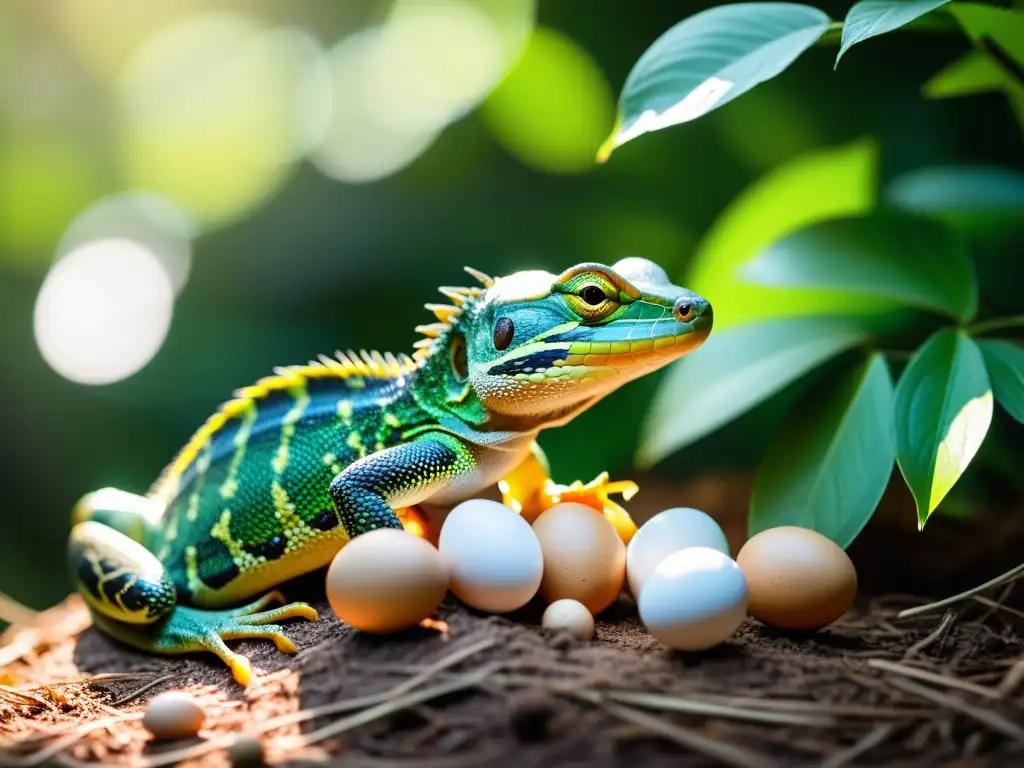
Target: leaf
x: 832, y: 460
x: 889, y: 255
x: 1004, y: 362
x: 735, y: 371
x: 708, y: 60
x: 822, y: 184
x: 972, y: 73
x: 943, y: 411
x: 984, y: 23
x: 870, y: 18
x: 958, y: 189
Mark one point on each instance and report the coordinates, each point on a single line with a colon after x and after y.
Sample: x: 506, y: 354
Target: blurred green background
x: 223, y: 187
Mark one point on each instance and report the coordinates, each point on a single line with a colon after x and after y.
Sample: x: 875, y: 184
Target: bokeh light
x: 356, y: 146
x: 397, y: 85
x: 555, y: 107
x: 215, y: 111
x: 44, y: 181
x: 149, y: 220
x: 103, y: 311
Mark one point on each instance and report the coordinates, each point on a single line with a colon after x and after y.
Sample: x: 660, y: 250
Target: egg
x: 584, y: 557
x: 173, y: 715
x: 569, y: 616
x: 665, y: 533
x: 694, y: 599
x: 492, y: 556
x: 798, y: 579
x: 386, y: 580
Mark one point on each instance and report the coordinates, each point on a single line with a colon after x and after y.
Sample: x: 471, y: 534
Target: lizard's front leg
x: 529, y: 490
x: 368, y: 491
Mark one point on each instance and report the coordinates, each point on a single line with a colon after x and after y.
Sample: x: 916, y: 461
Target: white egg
x: 493, y: 558
x: 173, y: 715
x: 695, y: 599
x: 665, y: 533
x: 570, y: 616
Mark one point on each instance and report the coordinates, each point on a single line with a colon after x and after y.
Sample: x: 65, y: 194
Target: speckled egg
x: 584, y: 557
x: 694, y: 599
x: 173, y: 715
x: 492, y: 556
x: 798, y: 579
x: 385, y: 581
x: 665, y: 533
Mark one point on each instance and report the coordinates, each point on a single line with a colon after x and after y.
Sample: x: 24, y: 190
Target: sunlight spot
x: 103, y: 311
x: 963, y: 439
x: 148, y: 220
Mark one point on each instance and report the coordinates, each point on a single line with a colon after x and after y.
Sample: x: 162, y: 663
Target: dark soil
x: 482, y: 690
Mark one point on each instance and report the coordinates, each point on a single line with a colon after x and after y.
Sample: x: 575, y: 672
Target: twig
x: 1013, y: 678
x: 993, y: 720
x: 728, y: 754
x: 36, y: 758
x: 995, y: 605
x: 141, y: 690
x: 933, y: 637
x: 16, y: 614
x: 821, y: 707
x: 1010, y: 575
x: 691, y: 706
x: 932, y: 677
x: 869, y: 741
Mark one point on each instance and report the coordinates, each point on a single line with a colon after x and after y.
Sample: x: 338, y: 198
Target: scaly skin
x: 280, y: 477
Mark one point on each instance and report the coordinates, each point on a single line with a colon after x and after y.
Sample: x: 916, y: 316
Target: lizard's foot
x: 193, y: 629
x: 594, y: 494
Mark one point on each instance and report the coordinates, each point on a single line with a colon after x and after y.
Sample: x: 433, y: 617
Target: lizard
x: 283, y: 474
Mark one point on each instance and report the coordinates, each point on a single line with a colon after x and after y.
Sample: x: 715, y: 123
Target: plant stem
x: 996, y: 324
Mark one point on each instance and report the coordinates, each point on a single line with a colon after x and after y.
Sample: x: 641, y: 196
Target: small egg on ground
x: 584, y: 557
x: 246, y: 751
x: 798, y: 579
x: 694, y: 599
x: 173, y: 715
x: 386, y: 580
x: 492, y: 556
x: 571, y: 616
x: 668, y: 532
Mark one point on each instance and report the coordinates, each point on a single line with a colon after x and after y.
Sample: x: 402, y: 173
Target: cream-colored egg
x: 385, y: 581
x: 665, y: 533
x: 569, y: 616
x: 492, y: 556
x: 584, y: 557
x: 694, y: 599
x: 173, y: 715
x: 798, y: 579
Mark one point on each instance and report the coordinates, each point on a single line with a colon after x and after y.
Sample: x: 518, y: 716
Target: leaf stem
x: 936, y: 21
x: 996, y: 324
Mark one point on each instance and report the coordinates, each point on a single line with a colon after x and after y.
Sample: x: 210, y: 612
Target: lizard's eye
x: 504, y: 330
x: 460, y: 364
x: 593, y: 295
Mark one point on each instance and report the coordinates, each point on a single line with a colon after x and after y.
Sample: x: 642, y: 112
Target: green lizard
x: 281, y: 476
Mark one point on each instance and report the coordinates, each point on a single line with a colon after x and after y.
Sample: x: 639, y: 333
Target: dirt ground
x: 941, y: 687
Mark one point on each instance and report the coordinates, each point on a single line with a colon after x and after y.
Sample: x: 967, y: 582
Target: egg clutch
x: 690, y: 593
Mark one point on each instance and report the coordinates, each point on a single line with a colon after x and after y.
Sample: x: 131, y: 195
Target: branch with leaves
x: 811, y: 270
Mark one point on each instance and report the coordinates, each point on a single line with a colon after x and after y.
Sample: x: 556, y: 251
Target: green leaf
x: 870, y: 18
x: 735, y: 371
x: 984, y: 23
x: 708, y: 60
x: 1004, y: 361
x: 823, y: 184
x: 943, y: 411
x: 959, y: 189
x: 889, y: 255
x: 832, y: 460
x: 972, y: 73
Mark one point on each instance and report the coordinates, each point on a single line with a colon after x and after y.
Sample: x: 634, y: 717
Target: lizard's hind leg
x: 134, y: 600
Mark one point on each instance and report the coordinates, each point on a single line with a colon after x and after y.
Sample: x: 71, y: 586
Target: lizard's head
x: 536, y: 348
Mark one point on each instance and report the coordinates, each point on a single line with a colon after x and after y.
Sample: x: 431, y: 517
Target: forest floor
x: 941, y: 686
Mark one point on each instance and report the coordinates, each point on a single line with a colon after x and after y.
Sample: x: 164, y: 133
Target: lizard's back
x: 247, y: 499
